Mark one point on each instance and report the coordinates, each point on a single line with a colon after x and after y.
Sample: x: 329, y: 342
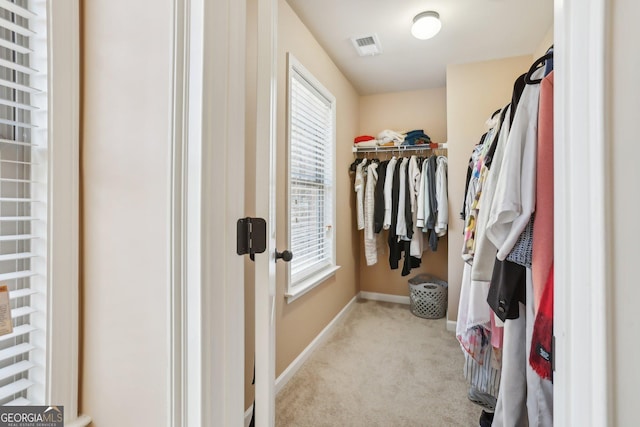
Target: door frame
x: 206, y: 300
x: 582, y: 320
x: 265, y: 179
x: 582, y: 315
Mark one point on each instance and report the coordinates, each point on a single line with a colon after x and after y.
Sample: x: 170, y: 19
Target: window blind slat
x: 17, y: 218
x: 15, y: 388
x: 17, y: 331
x: 18, y: 10
x: 15, y: 46
x: 17, y: 104
x: 21, y: 293
x: 23, y: 31
x: 22, y: 311
x: 21, y: 401
x: 20, y: 143
x: 17, y: 67
x: 17, y: 124
x: 15, y: 369
x: 15, y: 275
x: 15, y: 200
x: 16, y: 237
x: 16, y: 256
x: 22, y: 88
x: 16, y: 350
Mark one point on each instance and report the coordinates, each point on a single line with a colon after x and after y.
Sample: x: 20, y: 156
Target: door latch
x: 252, y: 236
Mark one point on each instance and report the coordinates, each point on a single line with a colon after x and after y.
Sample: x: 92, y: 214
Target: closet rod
x: 400, y: 148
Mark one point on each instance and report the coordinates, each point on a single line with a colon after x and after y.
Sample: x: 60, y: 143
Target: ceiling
x: 472, y: 30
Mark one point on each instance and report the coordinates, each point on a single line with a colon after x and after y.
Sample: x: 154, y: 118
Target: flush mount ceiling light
x: 426, y: 25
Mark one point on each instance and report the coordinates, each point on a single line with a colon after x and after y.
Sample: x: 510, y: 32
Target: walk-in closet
x: 380, y: 174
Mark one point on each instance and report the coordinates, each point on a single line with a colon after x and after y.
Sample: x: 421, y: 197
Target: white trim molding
x: 374, y: 296
x: 177, y: 301
x: 64, y: 216
x: 206, y: 299
x: 582, y: 320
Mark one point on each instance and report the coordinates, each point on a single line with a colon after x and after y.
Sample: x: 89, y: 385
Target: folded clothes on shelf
x: 416, y: 137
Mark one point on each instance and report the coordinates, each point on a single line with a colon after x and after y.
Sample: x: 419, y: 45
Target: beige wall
x: 125, y: 191
x: 625, y: 176
x: 545, y: 44
x: 299, y: 322
x: 474, y: 92
x: 420, y: 109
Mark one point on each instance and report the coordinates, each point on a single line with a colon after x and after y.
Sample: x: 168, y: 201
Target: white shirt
x: 486, y: 251
x: 417, y: 239
x: 515, y: 196
x: 442, y: 220
x: 388, y: 186
x: 359, y: 188
x: 401, y: 223
x: 370, y: 244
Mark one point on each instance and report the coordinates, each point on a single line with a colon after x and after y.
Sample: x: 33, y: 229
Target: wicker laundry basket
x: 428, y: 296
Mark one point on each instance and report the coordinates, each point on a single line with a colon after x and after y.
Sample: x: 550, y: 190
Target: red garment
x: 363, y: 138
x: 540, y: 357
x: 542, y: 255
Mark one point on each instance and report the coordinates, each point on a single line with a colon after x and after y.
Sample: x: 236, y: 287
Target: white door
x: 265, y: 268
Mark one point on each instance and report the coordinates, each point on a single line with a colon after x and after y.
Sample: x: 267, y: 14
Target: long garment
x: 370, y: 243
x: 414, y: 178
x: 442, y: 218
x: 524, y: 398
x: 543, y: 230
x: 359, y: 189
x: 378, y: 215
x: 388, y: 194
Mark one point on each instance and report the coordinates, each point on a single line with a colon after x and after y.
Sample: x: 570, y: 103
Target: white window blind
x: 23, y: 192
x: 311, y: 175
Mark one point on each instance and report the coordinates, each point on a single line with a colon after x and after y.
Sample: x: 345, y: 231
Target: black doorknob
x: 285, y: 255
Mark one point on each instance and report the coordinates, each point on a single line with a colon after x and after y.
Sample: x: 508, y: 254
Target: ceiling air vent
x: 367, y: 45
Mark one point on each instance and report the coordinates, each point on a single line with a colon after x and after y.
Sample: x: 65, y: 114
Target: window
x: 23, y: 201
x: 39, y: 132
x: 311, y: 190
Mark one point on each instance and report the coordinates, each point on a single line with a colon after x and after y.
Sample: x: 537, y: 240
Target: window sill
x: 309, y: 283
x: 81, y: 421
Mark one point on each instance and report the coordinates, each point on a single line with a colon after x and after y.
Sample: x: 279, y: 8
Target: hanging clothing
x: 442, y: 199
x: 370, y: 243
x: 359, y: 188
x: 401, y: 224
x: 414, y: 176
x: 388, y: 193
x: 542, y: 256
x: 378, y: 215
x: 514, y: 201
x: 485, y: 254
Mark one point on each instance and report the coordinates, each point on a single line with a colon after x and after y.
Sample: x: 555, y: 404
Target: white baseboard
x: 374, y: 296
x: 288, y: 373
x: 451, y: 325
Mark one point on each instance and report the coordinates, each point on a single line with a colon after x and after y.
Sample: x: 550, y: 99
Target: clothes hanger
x: 540, y: 62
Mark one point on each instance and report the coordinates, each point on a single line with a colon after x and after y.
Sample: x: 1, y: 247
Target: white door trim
x: 582, y: 320
x: 207, y: 293
x: 265, y: 271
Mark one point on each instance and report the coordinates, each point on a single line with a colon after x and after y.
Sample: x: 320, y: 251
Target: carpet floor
x: 382, y: 366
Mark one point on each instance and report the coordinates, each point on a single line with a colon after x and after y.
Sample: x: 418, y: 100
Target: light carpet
x: 382, y: 366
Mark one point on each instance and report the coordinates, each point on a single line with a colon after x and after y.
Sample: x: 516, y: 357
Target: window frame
x: 62, y: 371
x: 297, y: 288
